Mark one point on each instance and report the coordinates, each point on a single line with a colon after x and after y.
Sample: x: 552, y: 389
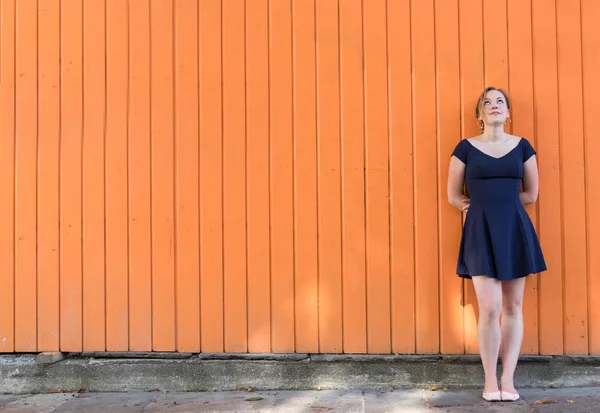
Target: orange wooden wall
x: 269, y: 175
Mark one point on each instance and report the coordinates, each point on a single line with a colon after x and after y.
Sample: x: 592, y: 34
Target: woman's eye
x: 500, y: 101
x: 486, y: 103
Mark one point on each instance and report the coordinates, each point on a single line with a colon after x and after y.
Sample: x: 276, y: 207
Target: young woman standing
x: 499, y: 245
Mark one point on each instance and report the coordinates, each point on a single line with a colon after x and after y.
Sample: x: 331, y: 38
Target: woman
x: 499, y: 246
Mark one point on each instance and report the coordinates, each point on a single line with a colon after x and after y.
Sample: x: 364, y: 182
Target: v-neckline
x: 493, y: 157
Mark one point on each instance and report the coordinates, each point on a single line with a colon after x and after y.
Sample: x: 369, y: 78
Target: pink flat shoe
x: 509, y: 397
x: 493, y: 396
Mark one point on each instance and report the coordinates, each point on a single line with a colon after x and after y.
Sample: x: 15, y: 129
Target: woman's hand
x: 463, y: 203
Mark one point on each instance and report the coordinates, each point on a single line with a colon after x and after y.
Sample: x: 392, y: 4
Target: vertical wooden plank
x: 547, y: 127
x: 376, y: 178
x: 353, y: 177
x: 7, y: 174
x: 401, y: 177
x: 234, y: 177
x: 211, y: 177
x: 163, y: 259
x: 282, y: 175
x: 257, y: 135
x: 48, y: 167
x: 26, y: 173
x: 94, y: 95
x: 520, y: 71
x: 70, y: 176
x: 117, y: 94
x: 305, y: 178
x: 424, y: 137
x: 186, y: 148
x: 328, y: 134
x: 140, y: 236
x: 471, y: 74
x: 448, y: 115
x: 572, y: 175
x: 495, y: 43
x: 591, y: 107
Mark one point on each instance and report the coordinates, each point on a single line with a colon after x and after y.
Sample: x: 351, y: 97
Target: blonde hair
x: 479, y: 106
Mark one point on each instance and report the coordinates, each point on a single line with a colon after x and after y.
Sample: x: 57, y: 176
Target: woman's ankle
x: 491, y: 385
x: 508, y: 385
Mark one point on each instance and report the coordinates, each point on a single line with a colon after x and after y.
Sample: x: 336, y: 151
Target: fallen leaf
x: 445, y: 389
x: 570, y: 401
x: 554, y: 386
x: 205, y: 403
x: 544, y: 401
x: 250, y: 388
x: 253, y: 399
x: 319, y: 388
x: 433, y: 388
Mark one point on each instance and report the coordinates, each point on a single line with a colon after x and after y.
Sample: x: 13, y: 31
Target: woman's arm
x: 530, y: 182
x: 456, y: 184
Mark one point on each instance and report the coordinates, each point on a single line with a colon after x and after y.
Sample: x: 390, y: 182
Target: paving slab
x: 546, y: 400
x: 7, y: 399
x: 326, y: 401
x: 469, y: 402
x: 211, y: 402
x: 108, y: 402
x: 406, y: 401
x: 563, y: 400
x: 38, y: 403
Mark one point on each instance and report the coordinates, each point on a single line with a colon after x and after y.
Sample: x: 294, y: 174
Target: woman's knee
x: 489, y: 297
x: 513, y: 306
x: 490, y: 311
x: 512, y: 296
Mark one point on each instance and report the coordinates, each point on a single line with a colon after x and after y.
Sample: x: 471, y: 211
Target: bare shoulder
x: 513, y: 138
x: 474, y: 138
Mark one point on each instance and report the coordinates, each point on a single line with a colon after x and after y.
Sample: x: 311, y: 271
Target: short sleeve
x: 461, y: 151
x: 528, y: 150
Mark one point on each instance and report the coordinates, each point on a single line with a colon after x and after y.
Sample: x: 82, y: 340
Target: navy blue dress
x: 498, y: 238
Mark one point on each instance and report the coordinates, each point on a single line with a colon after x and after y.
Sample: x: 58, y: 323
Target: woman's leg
x: 489, y: 298
x: 512, y: 330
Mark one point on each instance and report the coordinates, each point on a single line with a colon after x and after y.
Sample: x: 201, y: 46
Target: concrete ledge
x: 375, y: 358
x: 254, y: 356
x: 20, y: 374
x: 50, y: 357
x: 135, y: 355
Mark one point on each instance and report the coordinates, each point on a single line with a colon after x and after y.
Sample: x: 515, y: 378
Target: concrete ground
x: 324, y: 401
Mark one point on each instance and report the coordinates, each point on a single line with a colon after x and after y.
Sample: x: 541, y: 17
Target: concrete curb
x: 105, y: 372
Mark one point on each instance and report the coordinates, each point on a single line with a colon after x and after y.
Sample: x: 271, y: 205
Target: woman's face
x: 494, y: 110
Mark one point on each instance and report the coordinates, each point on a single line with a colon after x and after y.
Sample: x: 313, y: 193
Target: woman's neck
x: 493, y: 133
